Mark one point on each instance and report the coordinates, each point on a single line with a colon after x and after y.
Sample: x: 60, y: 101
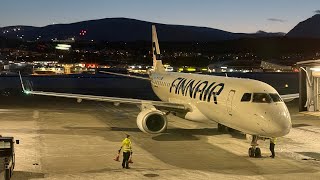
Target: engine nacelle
x: 152, y: 121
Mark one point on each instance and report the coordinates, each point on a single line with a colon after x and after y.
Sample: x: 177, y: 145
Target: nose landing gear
x: 254, y: 151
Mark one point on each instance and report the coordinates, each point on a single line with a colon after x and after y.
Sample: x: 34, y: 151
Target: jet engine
x: 152, y: 121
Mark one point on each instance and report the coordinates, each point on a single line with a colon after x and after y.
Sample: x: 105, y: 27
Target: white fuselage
x: 221, y: 99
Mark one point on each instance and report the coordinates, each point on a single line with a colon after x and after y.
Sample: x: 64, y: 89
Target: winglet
x: 22, y: 85
x: 290, y: 97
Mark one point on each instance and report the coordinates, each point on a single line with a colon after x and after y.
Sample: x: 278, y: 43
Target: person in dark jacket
x: 273, y: 141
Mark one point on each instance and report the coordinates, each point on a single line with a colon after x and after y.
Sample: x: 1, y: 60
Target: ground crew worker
x: 273, y: 142
x: 127, y: 151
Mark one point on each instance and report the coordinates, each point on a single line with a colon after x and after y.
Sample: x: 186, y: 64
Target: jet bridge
x: 309, y: 74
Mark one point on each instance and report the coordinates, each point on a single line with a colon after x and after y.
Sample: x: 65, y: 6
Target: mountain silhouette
x: 309, y: 28
x: 124, y: 29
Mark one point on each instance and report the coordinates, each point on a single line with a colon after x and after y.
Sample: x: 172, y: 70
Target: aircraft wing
x: 116, y: 100
x: 80, y: 97
x: 289, y: 97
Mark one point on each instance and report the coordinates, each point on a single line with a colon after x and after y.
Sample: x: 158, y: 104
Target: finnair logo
x: 203, y: 90
x: 158, y: 56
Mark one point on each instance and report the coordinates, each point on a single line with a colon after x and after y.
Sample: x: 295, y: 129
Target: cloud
x: 317, y: 11
x: 276, y: 20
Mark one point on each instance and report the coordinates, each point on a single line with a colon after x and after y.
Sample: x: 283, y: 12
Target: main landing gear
x: 254, y: 151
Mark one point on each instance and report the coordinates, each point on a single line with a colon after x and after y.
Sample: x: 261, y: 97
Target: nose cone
x: 281, y: 123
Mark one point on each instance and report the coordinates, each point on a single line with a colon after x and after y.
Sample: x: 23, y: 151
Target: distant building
x: 69, y: 40
x: 235, y: 66
x: 67, y: 68
x: 48, y: 70
x: 78, y: 69
x: 14, y: 67
x: 275, y: 67
x: 140, y: 69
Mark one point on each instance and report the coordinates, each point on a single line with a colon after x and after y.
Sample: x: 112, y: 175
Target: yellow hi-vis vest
x: 126, y: 145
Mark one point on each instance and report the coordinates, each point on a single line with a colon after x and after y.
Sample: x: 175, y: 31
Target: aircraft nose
x: 282, y: 123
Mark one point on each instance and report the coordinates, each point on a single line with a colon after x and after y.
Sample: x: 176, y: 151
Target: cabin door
x: 229, y: 101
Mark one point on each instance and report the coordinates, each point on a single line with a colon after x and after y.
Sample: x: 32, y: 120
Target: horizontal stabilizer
x: 289, y: 97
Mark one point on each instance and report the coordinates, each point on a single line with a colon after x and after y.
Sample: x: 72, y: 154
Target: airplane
x: 250, y: 106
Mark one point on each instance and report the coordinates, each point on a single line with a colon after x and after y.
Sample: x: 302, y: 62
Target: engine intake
x: 152, y: 121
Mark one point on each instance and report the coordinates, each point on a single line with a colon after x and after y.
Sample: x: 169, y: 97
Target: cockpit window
x: 261, y: 98
x: 246, y: 97
x: 275, y: 97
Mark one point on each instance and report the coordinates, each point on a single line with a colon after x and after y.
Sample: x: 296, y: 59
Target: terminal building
x: 269, y: 66
x: 235, y: 66
x: 249, y: 66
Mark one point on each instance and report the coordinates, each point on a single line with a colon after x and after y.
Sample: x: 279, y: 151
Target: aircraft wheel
x: 257, y: 153
x: 251, y: 152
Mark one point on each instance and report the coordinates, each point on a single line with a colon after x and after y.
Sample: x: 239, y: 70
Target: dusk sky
x: 230, y: 15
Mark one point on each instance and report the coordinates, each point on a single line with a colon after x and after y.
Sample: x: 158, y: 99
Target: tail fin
x: 157, y: 62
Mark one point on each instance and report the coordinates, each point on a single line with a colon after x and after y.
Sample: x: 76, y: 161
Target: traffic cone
x: 117, y: 157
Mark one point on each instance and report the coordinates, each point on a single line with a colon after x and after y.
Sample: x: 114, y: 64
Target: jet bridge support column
x: 302, y: 90
x: 310, y: 90
x: 316, y: 93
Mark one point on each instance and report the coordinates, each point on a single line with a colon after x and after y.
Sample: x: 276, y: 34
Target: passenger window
x: 275, y: 97
x: 261, y: 98
x: 246, y: 97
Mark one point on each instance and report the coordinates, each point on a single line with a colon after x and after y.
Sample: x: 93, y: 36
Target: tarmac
x: 63, y: 139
